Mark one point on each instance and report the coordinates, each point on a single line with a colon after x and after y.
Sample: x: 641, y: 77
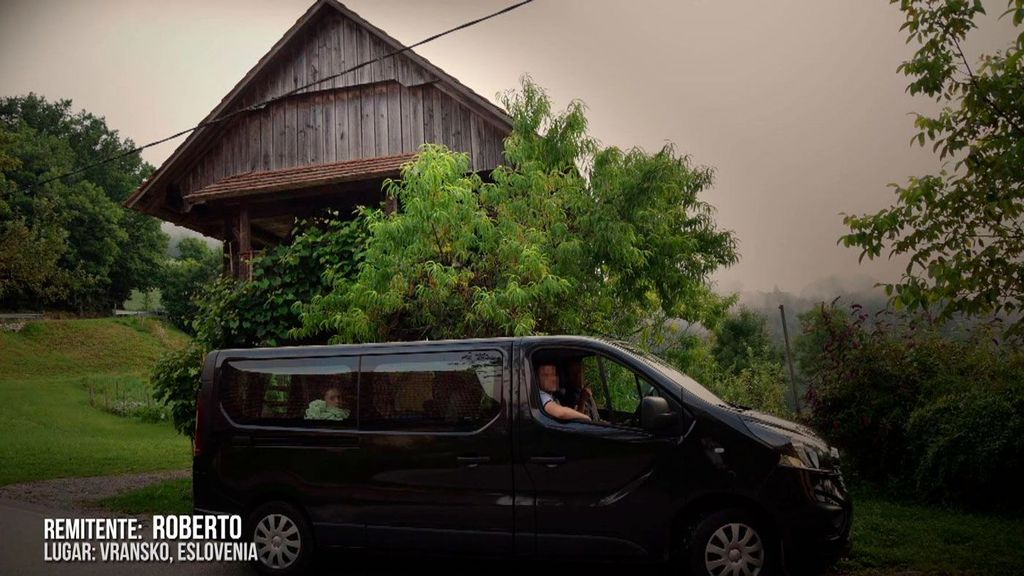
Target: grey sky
x: 796, y: 103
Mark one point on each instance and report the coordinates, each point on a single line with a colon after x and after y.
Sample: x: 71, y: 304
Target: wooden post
x: 244, y: 244
x: 789, y: 358
x: 230, y: 263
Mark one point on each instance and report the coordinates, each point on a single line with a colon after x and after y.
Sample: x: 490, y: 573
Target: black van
x: 445, y: 447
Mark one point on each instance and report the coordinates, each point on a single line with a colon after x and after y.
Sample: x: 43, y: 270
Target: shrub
x: 934, y: 414
x: 176, y: 380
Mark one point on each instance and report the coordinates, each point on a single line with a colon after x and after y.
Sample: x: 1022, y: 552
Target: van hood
x: 785, y: 427
x: 786, y: 435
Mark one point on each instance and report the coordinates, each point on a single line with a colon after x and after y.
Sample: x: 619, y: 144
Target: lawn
x: 892, y: 537
x: 50, y: 430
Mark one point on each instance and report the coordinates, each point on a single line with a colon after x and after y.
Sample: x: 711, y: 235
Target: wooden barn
x: 244, y: 181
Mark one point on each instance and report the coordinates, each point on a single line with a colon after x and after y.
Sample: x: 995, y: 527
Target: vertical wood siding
x: 390, y: 107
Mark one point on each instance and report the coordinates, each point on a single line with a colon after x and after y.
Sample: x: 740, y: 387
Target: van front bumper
x: 813, y: 513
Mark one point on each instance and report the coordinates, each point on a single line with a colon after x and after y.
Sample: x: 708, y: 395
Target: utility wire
x: 261, y: 105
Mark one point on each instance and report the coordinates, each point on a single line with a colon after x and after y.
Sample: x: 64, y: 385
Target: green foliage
x: 182, y: 277
x: 736, y: 361
x: 760, y: 384
x: 263, y: 311
x: 69, y: 244
x: 932, y: 415
x: 176, y: 380
x: 961, y: 228
x: 969, y: 445
x: 742, y: 338
x: 542, y: 248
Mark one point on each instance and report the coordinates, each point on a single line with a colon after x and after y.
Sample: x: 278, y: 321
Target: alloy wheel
x: 734, y: 550
x: 278, y: 541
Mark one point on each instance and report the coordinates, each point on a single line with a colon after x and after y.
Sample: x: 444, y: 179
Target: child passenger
x: 327, y: 409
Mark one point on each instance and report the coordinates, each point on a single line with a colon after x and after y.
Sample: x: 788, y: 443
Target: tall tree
x: 567, y: 238
x: 69, y: 243
x: 962, y: 228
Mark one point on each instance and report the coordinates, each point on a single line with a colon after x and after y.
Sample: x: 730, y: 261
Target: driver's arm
x: 555, y: 410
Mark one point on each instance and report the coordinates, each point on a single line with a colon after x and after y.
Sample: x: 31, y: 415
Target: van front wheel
x: 726, y: 543
x: 284, y: 542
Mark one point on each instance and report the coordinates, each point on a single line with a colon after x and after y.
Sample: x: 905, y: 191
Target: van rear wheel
x: 284, y: 541
x: 726, y: 543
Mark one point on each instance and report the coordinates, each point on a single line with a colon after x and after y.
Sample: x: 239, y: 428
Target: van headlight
x: 799, y: 455
x: 792, y: 451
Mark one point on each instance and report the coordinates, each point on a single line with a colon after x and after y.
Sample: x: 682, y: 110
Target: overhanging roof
x: 252, y: 183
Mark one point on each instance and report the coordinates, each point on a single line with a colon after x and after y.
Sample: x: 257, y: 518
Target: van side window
x: 317, y: 392
x: 449, y: 391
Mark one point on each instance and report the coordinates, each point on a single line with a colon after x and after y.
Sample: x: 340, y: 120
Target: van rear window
x: 319, y: 392
x: 430, y: 392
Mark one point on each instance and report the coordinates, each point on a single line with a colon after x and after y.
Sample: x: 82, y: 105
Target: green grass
x: 890, y: 537
x: 48, y: 427
x: 143, y: 301
x: 167, y: 497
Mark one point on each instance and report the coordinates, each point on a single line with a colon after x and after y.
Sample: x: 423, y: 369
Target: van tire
x: 284, y: 540
x: 719, y: 539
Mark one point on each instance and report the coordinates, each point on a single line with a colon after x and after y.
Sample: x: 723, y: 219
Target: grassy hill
x: 48, y: 425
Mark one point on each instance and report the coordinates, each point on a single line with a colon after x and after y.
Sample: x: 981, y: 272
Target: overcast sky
x: 796, y: 103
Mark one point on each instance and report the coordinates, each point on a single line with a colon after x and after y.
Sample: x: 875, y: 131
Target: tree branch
x: 974, y: 81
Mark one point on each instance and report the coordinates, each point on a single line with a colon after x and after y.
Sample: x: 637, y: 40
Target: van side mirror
x: 655, y: 414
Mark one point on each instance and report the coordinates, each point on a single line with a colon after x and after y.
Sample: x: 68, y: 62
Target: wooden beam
x: 244, y: 244
x: 230, y: 248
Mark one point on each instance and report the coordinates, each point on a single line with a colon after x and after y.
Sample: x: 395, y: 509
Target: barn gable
x: 328, y: 145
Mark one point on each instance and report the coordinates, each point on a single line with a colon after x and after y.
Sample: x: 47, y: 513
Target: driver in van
x: 547, y: 374
x: 577, y: 392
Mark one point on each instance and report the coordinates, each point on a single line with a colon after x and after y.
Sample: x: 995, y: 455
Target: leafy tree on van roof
x: 570, y: 237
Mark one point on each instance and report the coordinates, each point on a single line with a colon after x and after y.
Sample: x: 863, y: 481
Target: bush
x: 753, y: 377
x: 761, y: 385
x: 936, y: 415
x: 969, y: 449
x: 176, y: 380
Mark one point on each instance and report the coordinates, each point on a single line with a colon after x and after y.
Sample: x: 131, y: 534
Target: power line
x: 260, y: 105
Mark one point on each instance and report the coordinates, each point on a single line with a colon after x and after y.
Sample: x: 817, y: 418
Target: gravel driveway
x: 82, y: 493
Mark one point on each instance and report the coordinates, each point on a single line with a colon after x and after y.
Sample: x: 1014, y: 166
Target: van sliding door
x: 434, y: 427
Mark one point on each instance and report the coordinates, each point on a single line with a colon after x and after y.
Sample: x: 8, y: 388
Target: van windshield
x: 680, y: 379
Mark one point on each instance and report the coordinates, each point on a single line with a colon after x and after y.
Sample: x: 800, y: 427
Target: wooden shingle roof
x: 301, y: 177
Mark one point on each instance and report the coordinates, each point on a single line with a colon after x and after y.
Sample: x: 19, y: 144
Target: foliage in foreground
x: 937, y: 417
x: 963, y: 228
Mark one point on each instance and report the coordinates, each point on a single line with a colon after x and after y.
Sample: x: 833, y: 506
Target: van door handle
x: 473, y: 461
x: 549, y: 461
